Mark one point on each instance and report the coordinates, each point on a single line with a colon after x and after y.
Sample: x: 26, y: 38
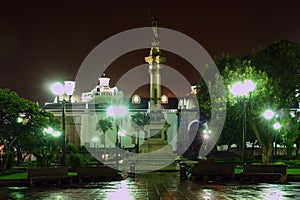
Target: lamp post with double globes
x: 269, y: 114
x: 59, y: 89
x: 243, y: 89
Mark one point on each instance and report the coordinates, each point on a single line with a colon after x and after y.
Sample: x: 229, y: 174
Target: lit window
x: 164, y: 99
x: 136, y: 99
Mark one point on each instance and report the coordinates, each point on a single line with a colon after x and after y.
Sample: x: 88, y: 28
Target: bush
x: 75, y: 160
x: 71, y: 148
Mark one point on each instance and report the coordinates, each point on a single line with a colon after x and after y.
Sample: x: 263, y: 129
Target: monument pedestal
x: 156, y: 138
x: 156, y: 153
x: 155, y: 144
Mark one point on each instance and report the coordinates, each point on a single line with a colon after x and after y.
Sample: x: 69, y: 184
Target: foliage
x: 75, y: 160
x: 45, y: 156
x: 289, y: 131
x: 264, y: 96
x: 74, y: 156
x: 139, y: 121
x: 104, y: 125
x: 281, y: 60
x: 71, y: 148
x: 21, y: 124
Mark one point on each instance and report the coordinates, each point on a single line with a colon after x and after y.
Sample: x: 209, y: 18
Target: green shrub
x: 71, y: 148
x: 75, y: 160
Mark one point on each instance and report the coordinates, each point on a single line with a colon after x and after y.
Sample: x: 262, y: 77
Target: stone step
x: 152, y: 162
x: 147, y: 166
x: 156, y: 156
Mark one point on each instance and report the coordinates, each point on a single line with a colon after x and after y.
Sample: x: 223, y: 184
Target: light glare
x: 268, y: 114
x: 277, y: 126
x: 69, y: 87
x: 56, y: 133
x: 117, y: 111
x: 57, y: 88
x: 239, y: 88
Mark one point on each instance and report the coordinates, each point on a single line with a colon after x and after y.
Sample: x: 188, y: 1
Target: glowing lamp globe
x: 239, y: 88
x: 57, y: 88
x: 69, y: 87
x: 249, y: 86
x: 277, y: 126
x: 117, y: 111
x: 268, y: 114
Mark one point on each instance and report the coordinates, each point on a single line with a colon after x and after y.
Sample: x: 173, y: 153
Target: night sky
x: 44, y: 42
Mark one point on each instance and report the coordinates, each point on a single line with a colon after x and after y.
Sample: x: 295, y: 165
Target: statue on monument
x: 154, y: 22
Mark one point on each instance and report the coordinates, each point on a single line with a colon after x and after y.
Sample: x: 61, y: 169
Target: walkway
x: 157, y: 185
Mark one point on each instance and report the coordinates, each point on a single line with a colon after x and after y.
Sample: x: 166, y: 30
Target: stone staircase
x: 154, y: 161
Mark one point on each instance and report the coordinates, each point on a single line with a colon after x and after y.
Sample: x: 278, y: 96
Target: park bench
x: 46, y: 176
x: 221, y: 157
x: 97, y: 173
x: 213, y: 172
x: 265, y: 173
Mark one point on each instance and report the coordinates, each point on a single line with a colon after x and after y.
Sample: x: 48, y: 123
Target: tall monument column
x: 154, y: 59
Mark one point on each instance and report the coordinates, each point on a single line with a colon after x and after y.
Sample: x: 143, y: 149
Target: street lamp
x: 54, y: 133
x: 242, y: 89
x: 269, y: 114
x: 59, y: 89
x: 95, y: 140
x: 276, y: 126
x: 117, y: 112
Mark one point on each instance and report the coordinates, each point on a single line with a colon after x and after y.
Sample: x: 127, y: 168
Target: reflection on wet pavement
x: 157, y: 185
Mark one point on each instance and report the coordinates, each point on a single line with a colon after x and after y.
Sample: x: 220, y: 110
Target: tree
x: 281, y: 61
x: 298, y: 142
x: 140, y: 120
x: 20, y: 121
x: 289, y: 131
x: 264, y: 96
x: 104, y: 125
x: 29, y: 143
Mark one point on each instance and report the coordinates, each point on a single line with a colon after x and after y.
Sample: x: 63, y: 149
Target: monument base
x: 152, y: 162
x: 154, y: 144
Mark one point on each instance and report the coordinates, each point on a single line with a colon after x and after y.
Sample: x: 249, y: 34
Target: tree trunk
x: 252, y: 150
x: 19, y: 155
x: 267, y: 154
x: 228, y: 147
x: 266, y: 148
x: 104, y: 143
x: 5, y: 161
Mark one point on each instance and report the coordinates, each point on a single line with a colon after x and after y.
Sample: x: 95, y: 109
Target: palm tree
x: 104, y: 125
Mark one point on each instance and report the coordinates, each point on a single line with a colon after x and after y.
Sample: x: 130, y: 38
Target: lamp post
x: 95, y: 140
x: 59, y: 89
x: 243, y: 89
x: 117, y: 112
x: 276, y: 126
x: 269, y: 114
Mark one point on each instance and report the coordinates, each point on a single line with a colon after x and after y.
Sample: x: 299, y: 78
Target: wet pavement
x: 157, y: 185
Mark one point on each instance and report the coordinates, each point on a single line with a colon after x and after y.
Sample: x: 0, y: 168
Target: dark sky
x: 43, y: 42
